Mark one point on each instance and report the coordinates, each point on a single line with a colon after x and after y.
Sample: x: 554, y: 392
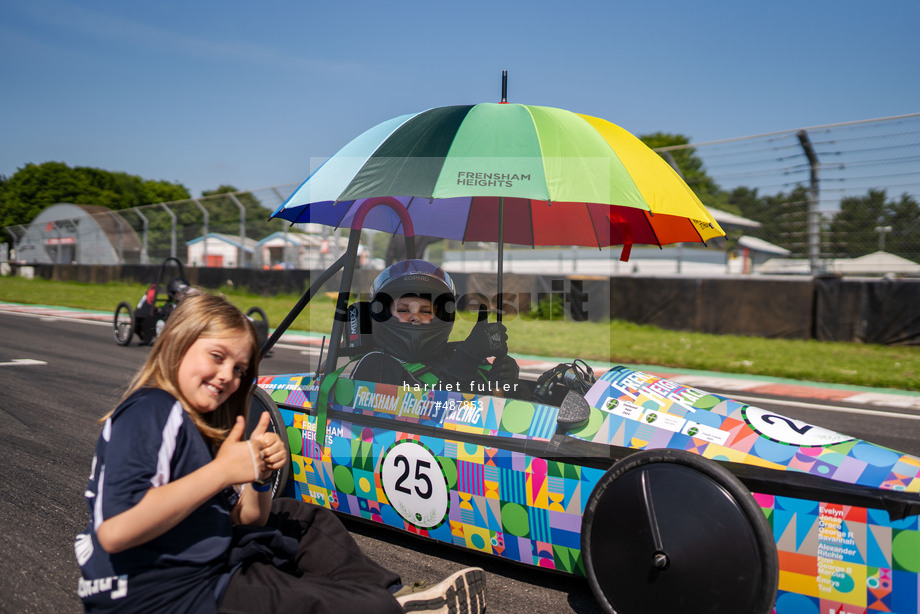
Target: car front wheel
x: 668, y: 531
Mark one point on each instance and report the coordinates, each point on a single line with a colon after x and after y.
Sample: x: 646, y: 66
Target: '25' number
x: 421, y: 475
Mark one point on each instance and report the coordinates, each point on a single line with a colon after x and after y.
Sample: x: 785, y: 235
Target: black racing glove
x: 483, y: 341
x: 486, y: 339
x: 504, y: 369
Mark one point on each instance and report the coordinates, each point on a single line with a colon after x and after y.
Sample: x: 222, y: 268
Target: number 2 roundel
x: 415, y: 484
x: 788, y: 431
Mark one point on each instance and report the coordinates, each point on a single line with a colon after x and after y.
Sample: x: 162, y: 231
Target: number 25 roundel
x: 415, y: 484
x: 788, y: 431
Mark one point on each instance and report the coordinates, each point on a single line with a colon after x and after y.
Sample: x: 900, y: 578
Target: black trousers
x: 331, y: 574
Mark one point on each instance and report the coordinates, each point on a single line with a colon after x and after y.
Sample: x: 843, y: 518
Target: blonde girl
x: 172, y: 474
x: 181, y: 515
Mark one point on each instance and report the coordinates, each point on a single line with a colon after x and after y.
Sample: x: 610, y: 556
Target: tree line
x: 35, y: 187
x: 783, y: 216
x: 851, y: 232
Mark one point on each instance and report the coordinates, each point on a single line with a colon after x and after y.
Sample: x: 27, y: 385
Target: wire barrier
x: 827, y: 194
x: 820, y: 199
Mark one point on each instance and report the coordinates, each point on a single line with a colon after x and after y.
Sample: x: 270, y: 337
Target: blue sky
x: 254, y: 94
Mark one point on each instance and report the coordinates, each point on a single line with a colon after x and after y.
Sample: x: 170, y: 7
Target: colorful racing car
x: 664, y: 497
x: 147, y: 319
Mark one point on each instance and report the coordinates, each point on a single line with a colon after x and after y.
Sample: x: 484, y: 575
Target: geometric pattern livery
x: 833, y: 558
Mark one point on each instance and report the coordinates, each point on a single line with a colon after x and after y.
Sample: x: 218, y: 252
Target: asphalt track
x: 60, y: 370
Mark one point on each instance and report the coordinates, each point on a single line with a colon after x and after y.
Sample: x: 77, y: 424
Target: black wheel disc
x: 123, y: 324
x: 261, y: 402
x: 668, y: 531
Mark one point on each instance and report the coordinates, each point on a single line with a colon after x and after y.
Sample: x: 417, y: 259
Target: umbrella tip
x: 504, y: 87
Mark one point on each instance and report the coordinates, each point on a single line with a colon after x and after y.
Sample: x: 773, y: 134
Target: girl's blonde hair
x: 199, y: 315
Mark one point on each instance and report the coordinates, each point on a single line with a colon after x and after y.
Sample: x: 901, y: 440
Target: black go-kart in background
x: 158, y: 302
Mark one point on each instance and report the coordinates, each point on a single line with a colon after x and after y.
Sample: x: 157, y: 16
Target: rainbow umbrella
x: 552, y: 176
x: 461, y: 172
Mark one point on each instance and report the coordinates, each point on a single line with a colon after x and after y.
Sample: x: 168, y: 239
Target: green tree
x: 904, y: 239
x: 223, y: 218
x: 783, y: 217
x: 853, y: 230
x: 163, y: 192
x: 690, y: 166
x: 226, y: 215
x: 35, y: 187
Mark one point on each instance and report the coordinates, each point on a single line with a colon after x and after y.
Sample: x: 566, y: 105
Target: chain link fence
x: 830, y: 196
x: 815, y: 200
x: 229, y: 230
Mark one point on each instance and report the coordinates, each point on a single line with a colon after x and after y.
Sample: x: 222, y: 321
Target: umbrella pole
x: 501, y: 254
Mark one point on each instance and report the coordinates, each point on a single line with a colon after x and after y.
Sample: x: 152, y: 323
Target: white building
x: 292, y: 250
x: 216, y: 250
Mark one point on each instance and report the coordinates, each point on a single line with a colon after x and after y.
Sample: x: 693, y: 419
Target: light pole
x: 882, y: 231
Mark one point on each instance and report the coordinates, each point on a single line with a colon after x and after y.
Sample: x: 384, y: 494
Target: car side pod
x: 669, y: 531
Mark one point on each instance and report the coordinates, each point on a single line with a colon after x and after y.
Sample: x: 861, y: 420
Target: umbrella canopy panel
x: 562, y: 179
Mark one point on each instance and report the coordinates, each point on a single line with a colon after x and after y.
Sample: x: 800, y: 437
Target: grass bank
x: 617, y: 342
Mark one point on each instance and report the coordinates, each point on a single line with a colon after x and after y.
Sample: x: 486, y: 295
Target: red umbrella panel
x: 526, y: 222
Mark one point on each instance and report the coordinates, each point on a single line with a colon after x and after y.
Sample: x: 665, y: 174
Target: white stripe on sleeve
x: 168, y: 445
x: 97, y: 504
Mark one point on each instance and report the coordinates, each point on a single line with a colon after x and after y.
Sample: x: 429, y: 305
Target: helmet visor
x: 418, y: 278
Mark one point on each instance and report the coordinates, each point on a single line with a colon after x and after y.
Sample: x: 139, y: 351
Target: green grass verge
x: 616, y: 342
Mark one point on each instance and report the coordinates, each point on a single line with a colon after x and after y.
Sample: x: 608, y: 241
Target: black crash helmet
x: 176, y: 288
x: 413, y: 342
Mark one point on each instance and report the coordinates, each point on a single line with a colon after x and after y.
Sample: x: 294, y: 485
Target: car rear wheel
x: 668, y: 531
x: 123, y: 324
x: 262, y: 402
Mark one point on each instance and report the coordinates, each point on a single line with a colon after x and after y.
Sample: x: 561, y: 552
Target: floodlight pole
x: 15, y: 238
x: 121, y: 244
x: 286, y: 255
x: 145, y: 259
x: 813, y: 217
x: 204, y: 230
x: 882, y: 230
x: 172, y: 237
x: 240, y: 261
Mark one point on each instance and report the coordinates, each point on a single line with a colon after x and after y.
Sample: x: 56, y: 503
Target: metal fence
x: 831, y: 195
x: 223, y: 230
x: 825, y: 197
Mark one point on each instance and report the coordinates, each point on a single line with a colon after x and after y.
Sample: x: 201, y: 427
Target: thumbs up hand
x: 268, y: 446
x: 486, y: 339
x: 238, y: 461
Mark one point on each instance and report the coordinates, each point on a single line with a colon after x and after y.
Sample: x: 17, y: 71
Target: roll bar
x: 346, y: 263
